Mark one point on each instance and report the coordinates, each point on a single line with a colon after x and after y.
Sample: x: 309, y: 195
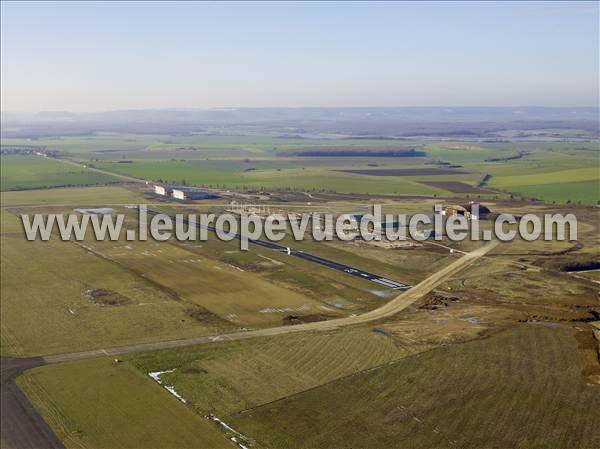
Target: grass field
x: 170, y: 290
x: 33, y: 172
x: 441, y: 374
x: 569, y: 185
x: 520, y: 388
x: 321, y: 287
x: 229, y: 377
x: 225, y: 290
x: 549, y: 171
x: 77, y: 196
x: 45, y: 308
x: 209, y: 174
x: 102, y: 404
x: 582, y: 192
x: 553, y: 175
x: 545, y: 172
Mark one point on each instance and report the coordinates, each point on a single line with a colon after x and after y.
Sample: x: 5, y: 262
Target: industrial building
x: 162, y: 190
x: 190, y: 193
x: 182, y: 193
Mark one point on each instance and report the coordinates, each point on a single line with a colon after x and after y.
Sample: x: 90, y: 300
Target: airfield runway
x: 394, y: 285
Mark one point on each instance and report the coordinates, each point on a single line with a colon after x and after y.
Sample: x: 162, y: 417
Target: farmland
x: 33, y: 172
x: 80, y: 197
x: 210, y: 237
x: 267, y: 388
x: 494, y: 392
x: 493, y: 344
x: 229, y: 377
x: 255, y: 162
x: 319, y: 390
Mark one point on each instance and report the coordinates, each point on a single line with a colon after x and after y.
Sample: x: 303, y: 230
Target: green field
x: 76, y: 196
x: 102, y: 404
x: 549, y: 171
x: 229, y: 174
x: 583, y: 192
x: 520, y: 388
x: 33, y: 172
x: 94, y: 403
x: 569, y: 185
x: 229, y: 377
x: 238, y: 297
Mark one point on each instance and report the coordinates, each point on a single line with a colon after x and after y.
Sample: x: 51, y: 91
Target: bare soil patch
x: 454, y: 186
x: 204, y: 316
x: 405, y: 172
x: 104, y: 297
x: 436, y: 300
x: 299, y: 319
x: 355, y: 151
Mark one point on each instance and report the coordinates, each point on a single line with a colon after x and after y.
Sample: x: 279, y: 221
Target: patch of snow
x: 100, y: 210
x: 224, y: 424
x: 327, y: 309
x: 230, y: 429
x: 338, y: 303
x: 156, y: 376
x: 381, y: 293
x: 472, y: 320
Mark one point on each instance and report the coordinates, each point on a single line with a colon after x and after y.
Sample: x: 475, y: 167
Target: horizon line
x: 234, y: 108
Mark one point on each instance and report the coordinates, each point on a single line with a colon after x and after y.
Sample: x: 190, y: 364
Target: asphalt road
x: 21, y: 426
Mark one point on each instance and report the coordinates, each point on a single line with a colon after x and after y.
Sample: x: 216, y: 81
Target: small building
x: 190, y: 193
x: 477, y: 210
x: 471, y: 211
x: 162, y: 190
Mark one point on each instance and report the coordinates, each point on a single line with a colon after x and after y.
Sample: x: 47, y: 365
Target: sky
x: 93, y: 56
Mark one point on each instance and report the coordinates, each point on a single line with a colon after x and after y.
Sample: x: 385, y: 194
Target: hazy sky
x: 99, y: 56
